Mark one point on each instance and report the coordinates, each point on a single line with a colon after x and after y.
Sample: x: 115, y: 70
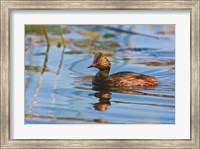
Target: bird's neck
x: 104, y: 71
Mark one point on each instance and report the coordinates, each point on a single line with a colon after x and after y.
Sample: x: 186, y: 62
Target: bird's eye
x: 98, y: 62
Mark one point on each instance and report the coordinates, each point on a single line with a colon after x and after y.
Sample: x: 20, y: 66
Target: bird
x: 125, y: 79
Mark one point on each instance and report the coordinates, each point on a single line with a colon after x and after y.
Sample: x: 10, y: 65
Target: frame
x: 8, y: 6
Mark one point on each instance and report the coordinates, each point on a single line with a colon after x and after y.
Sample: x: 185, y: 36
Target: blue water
x: 63, y: 93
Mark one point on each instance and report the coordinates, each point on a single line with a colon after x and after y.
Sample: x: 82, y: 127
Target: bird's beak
x: 93, y: 65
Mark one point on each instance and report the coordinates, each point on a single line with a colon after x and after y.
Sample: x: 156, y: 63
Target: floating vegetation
x: 36, y: 29
x: 106, y: 53
x: 114, y: 45
x: 74, y: 52
x: 94, y: 35
x: 92, y: 45
x: 36, y: 68
x: 109, y: 35
x: 158, y: 63
x: 83, y: 43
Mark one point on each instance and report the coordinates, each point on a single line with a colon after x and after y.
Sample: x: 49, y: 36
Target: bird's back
x: 129, y: 79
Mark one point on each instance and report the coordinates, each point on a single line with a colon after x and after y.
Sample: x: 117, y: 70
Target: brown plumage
x: 120, y: 79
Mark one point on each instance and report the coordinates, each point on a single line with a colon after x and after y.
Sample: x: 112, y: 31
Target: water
x: 62, y: 92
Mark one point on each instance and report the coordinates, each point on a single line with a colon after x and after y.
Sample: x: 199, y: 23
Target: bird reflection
x: 104, y: 100
x: 105, y: 94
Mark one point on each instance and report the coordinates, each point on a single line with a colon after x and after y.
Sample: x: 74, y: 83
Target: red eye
x: 98, y: 62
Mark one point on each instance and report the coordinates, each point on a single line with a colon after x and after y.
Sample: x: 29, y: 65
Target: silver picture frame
x: 7, y: 6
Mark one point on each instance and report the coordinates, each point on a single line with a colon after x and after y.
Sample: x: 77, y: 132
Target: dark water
x: 58, y: 86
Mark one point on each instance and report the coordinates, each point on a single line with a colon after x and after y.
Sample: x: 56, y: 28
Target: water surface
x: 58, y: 88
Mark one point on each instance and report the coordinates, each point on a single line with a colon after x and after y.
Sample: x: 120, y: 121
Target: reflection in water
x: 133, y: 91
x: 104, y: 100
x: 40, y: 80
x: 105, y: 97
x: 49, y: 117
x: 57, y: 74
